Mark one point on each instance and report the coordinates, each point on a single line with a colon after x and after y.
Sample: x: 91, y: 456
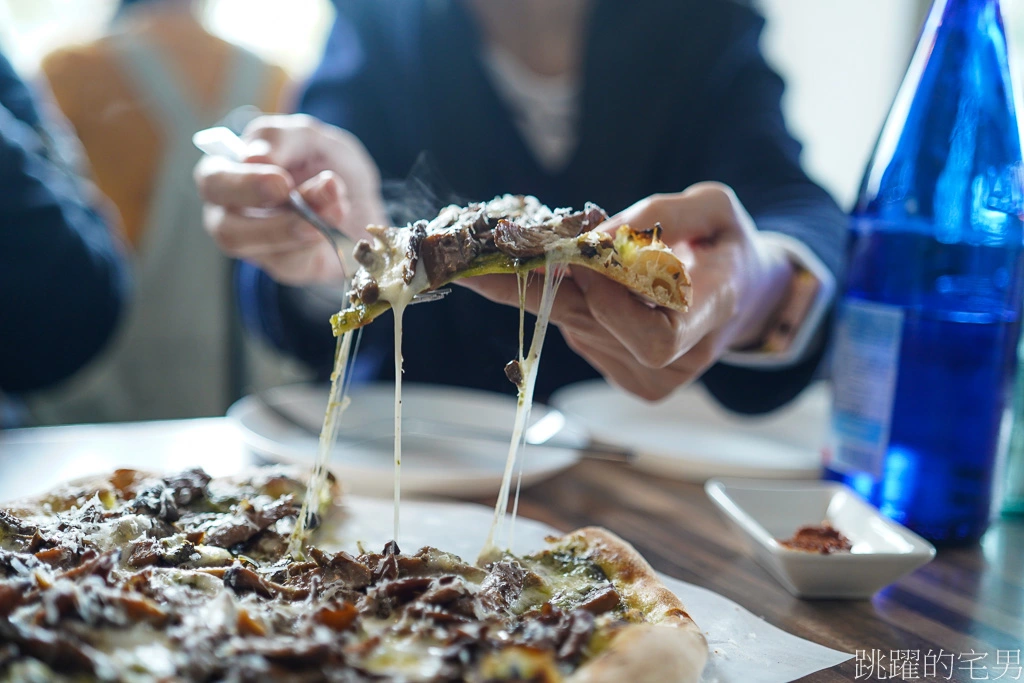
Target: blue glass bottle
x: 924, y: 350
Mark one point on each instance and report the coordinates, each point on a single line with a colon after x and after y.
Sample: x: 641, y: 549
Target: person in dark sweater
x: 63, y: 280
x: 622, y: 104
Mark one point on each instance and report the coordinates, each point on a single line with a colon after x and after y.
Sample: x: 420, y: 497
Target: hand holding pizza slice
x: 630, y: 308
x: 737, y: 284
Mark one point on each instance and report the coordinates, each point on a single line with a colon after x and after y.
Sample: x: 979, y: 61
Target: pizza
x: 509, y: 234
x: 140, y: 577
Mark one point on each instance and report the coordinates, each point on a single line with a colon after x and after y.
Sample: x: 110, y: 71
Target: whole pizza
x: 138, y: 577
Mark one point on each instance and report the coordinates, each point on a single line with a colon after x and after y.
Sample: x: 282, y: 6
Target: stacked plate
x: 455, y: 441
x: 690, y: 436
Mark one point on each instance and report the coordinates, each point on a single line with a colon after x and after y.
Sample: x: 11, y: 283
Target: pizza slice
x: 509, y: 234
x: 139, y: 577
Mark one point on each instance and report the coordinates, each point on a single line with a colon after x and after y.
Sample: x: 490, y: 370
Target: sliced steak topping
x: 383, y: 567
x: 522, y: 241
x: 188, y: 486
x: 94, y: 565
x: 337, y: 618
x: 264, y: 517
x: 445, y: 253
x: 17, y: 563
x: 533, y: 234
x: 601, y: 600
x: 250, y: 520
x: 13, y: 593
x: 575, y: 224
x: 577, y: 635
x: 145, y: 553
x: 505, y: 583
x: 9, y: 524
x: 156, y: 501
x: 404, y: 590
x: 444, y: 590
x: 412, y: 250
x: 343, y: 567
x: 244, y: 580
x: 59, y: 652
x: 231, y: 531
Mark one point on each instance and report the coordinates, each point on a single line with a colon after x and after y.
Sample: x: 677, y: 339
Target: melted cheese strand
x: 337, y: 401
x: 399, y: 309
x: 522, y: 280
x: 525, y: 403
x: 519, y: 486
x: 398, y: 281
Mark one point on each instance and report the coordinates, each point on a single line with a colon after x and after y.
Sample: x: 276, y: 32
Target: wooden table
x: 967, y: 599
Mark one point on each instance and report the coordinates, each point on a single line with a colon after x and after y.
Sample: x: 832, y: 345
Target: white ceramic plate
x: 763, y: 512
x: 430, y: 465
x: 689, y: 436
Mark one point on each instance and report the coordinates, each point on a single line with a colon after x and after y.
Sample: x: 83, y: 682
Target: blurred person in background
x: 63, y: 278
x: 135, y: 97
x: 622, y: 104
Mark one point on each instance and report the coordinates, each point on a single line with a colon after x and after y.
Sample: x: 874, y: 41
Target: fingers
x: 583, y: 332
x: 615, y: 364
x: 236, y: 185
x: 569, y: 306
x: 654, y: 336
x: 703, y: 213
x: 282, y: 149
x: 286, y: 140
x: 250, y: 237
x: 244, y: 233
x: 593, y: 306
x: 328, y: 196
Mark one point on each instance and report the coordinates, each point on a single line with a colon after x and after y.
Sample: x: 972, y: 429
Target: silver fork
x: 222, y: 142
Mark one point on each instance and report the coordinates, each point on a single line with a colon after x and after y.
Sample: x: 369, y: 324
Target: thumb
x: 327, y: 195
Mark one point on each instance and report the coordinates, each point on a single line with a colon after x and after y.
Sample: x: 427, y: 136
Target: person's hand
x: 738, y: 282
x: 246, y: 209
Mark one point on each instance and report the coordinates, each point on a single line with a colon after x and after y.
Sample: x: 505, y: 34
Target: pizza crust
x: 640, y: 262
x: 669, y: 647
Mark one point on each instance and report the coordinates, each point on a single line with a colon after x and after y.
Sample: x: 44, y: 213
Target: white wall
x: 842, y: 61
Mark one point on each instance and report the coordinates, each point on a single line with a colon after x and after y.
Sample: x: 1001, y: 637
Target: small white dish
x: 691, y: 436
x: 764, y: 511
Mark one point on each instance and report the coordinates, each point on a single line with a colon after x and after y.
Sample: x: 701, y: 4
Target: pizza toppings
x: 516, y: 227
x: 514, y: 372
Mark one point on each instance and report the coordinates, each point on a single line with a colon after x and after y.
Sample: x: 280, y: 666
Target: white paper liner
x: 743, y: 647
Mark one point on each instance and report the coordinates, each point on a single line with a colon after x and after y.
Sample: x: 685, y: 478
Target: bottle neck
x: 960, y: 11
x: 959, y: 76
